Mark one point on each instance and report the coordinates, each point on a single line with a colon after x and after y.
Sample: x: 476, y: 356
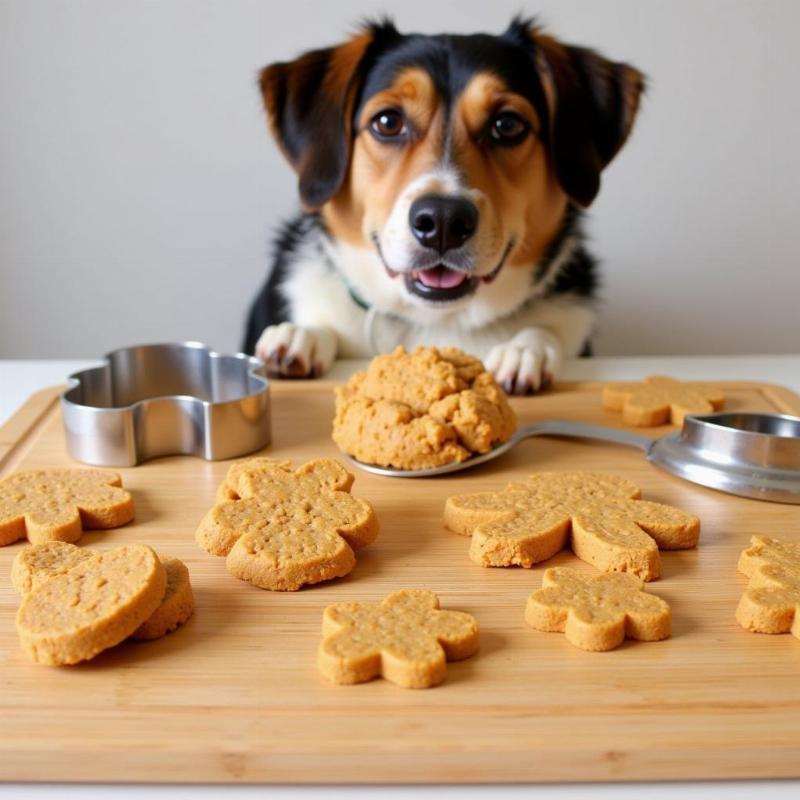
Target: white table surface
x: 20, y: 379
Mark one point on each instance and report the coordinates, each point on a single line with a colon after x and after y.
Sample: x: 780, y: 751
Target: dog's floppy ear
x: 595, y: 103
x: 309, y: 103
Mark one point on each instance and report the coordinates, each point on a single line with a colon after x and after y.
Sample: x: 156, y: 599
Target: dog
x: 443, y: 181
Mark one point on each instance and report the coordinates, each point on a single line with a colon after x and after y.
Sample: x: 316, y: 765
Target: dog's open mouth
x: 440, y: 283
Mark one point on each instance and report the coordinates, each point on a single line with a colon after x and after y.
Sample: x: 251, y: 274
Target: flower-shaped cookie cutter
x: 167, y: 399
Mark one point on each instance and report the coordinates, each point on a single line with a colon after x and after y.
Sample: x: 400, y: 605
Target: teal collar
x: 355, y: 298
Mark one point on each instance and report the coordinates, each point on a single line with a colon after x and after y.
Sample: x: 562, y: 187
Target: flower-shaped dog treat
x: 405, y: 638
x: 597, y: 613
x: 57, y: 504
x: 771, y: 602
x: 288, y: 528
x: 658, y: 400
x: 532, y: 520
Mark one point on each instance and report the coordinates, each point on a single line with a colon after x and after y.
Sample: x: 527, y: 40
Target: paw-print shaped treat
x: 597, y: 613
x: 38, y: 563
x: 286, y: 528
x: 658, y: 400
x: 771, y: 602
x: 57, y: 504
x: 406, y: 638
x: 601, y: 515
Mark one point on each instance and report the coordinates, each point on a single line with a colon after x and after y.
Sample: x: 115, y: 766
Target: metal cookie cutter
x: 164, y: 399
x: 752, y: 455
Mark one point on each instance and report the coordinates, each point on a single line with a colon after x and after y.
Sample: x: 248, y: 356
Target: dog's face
x: 452, y: 158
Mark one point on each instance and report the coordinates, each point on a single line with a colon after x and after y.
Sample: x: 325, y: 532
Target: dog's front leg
x: 527, y: 363
x: 548, y: 332
x: 292, y: 351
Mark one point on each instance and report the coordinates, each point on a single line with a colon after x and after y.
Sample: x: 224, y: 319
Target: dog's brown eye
x: 508, y: 128
x: 388, y: 124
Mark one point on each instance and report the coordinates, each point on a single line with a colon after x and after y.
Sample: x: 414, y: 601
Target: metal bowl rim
x: 254, y: 364
x: 707, y: 420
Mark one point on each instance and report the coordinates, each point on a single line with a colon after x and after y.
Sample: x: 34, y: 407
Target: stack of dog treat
x: 76, y: 602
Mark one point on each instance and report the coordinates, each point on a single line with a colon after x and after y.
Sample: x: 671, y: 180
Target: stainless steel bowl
x: 753, y: 455
x: 164, y: 399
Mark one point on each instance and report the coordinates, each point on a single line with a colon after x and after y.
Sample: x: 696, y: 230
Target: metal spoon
x: 752, y: 455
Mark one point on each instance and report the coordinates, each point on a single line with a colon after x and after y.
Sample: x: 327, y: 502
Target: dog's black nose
x: 442, y: 223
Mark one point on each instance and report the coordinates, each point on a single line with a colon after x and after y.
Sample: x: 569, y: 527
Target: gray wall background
x: 138, y: 187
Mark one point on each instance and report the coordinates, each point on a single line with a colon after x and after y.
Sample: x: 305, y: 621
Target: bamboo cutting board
x: 234, y: 695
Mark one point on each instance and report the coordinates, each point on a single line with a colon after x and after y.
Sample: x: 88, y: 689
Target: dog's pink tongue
x: 441, y: 277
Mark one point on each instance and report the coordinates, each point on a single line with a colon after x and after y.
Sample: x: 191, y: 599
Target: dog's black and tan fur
x: 443, y: 180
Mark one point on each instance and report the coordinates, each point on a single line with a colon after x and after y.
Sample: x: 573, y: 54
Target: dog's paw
x: 529, y: 362
x: 290, y: 351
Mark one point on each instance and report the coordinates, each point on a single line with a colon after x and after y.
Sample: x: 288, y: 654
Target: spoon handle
x: 580, y: 430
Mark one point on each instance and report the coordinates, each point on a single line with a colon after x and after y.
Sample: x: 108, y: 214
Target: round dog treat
x: 176, y: 606
x: 289, y: 528
x: 771, y: 602
x: 597, y: 613
x: 421, y: 409
x: 37, y: 563
x: 600, y: 515
x: 95, y: 605
x: 405, y: 638
x: 57, y: 504
x: 658, y: 400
